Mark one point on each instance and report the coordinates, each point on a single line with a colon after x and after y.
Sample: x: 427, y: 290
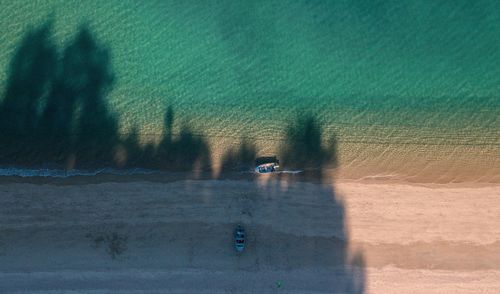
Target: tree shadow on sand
x: 300, y: 236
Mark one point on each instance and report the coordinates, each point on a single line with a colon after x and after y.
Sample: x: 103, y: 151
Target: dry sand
x: 176, y: 235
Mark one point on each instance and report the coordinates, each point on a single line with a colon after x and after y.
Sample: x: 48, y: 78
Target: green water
x: 372, y: 71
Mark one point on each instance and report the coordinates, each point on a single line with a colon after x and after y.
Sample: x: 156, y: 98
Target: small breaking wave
x: 289, y: 171
x: 275, y: 172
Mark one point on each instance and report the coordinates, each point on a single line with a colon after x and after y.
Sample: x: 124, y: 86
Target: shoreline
x: 170, y: 176
x: 463, y: 165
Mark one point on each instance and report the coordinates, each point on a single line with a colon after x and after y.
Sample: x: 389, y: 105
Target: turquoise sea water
x: 402, y: 72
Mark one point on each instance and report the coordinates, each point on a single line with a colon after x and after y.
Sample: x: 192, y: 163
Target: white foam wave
x: 61, y: 173
x: 290, y: 171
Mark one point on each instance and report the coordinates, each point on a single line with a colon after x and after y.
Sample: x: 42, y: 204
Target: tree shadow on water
x: 238, y: 159
x: 181, y: 151
x: 304, y: 148
x: 184, y: 151
x: 54, y: 109
x: 29, y: 82
x: 91, y: 78
x: 76, y: 118
x: 55, y: 112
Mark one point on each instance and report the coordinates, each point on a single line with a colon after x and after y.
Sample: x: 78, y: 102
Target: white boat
x: 266, y: 168
x: 266, y: 165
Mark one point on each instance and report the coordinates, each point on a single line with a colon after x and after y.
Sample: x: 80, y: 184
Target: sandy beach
x: 175, y: 235
x: 133, y: 136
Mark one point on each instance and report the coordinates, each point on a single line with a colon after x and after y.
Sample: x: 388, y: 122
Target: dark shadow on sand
x: 55, y: 113
x: 303, y: 148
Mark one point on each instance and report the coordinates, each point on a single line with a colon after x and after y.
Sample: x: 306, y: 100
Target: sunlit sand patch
x: 382, y: 176
x: 284, y: 184
x: 263, y: 180
x: 197, y: 169
x: 274, y: 187
x: 216, y: 164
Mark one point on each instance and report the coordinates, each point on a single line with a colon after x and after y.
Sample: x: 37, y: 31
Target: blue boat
x: 239, y: 238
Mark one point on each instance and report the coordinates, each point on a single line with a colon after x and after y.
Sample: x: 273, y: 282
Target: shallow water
x: 416, y: 76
